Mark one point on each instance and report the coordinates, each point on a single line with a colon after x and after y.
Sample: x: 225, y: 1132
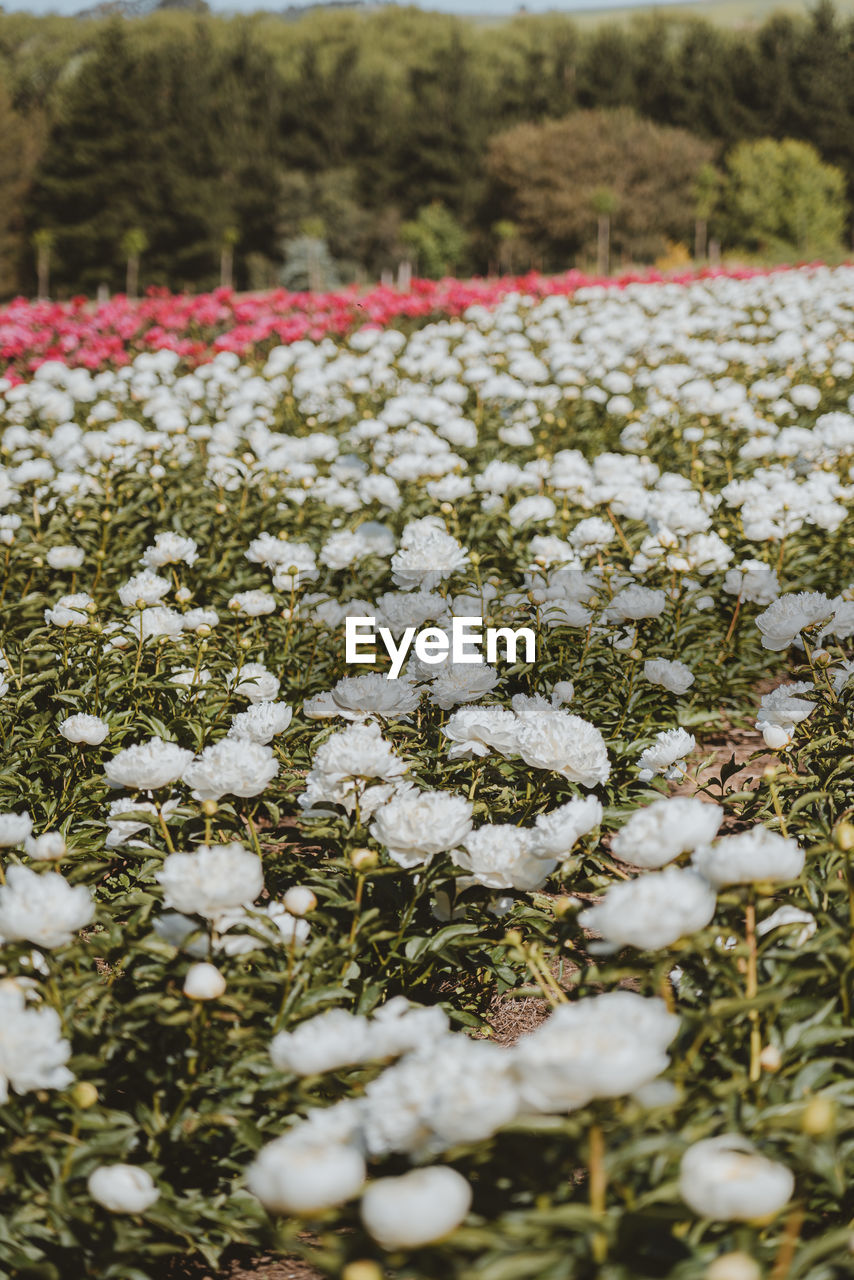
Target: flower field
x: 196, y: 327
x: 527, y: 962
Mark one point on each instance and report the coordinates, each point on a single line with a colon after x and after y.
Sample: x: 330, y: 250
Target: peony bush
x: 534, y: 966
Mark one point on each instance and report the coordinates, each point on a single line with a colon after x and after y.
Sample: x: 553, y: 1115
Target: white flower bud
x: 416, y: 1208
x: 204, y: 982
x: 122, y: 1188
x: 296, y: 1175
x: 299, y: 900
x: 733, y: 1266
x: 726, y: 1178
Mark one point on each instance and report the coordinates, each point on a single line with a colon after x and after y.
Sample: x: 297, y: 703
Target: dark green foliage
x: 175, y: 141
x: 185, y: 124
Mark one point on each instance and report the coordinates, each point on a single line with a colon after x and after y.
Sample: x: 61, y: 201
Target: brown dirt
x: 729, y: 741
x: 259, y: 1267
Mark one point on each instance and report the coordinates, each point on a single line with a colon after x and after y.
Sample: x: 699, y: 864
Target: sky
x: 445, y: 6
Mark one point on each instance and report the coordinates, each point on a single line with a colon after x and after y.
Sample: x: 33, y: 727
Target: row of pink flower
x: 112, y: 333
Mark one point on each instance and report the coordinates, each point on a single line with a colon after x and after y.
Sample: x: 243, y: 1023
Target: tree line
x: 187, y: 150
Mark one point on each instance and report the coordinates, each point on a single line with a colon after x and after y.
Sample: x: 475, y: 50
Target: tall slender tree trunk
x: 132, y: 278
x: 315, y: 282
x: 43, y: 271
x: 701, y: 231
x: 226, y: 267
x: 603, y: 243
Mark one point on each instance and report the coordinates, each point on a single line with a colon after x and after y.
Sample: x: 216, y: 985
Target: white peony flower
x: 65, y: 557
x: 750, y: 856
x: 673, y: 676
x: 667, y: 755
x: 653, y: 911
x: 261, y: 722
x: 170, y: 548
x: 253, y: 681
x: 122, y: 829
x: 337, y: 1039
x: 122, y: 1188
x: 475, y: 731
x: 783, y: 621
x: 399, y: 1027
x: 599, y: 1047
x: 275, y: 552
x: 781, y: 710
x: 427, y: 555
x: 416, y: 1208
x: 557, y: 831
x: 42, y: 907
x: 196, y: 619
x: 452, y: 1090
x: 592, y: 535
x: 401, y: 609
x: 82, y: 728
x: 555, y: 740
x: 302, y: 1175
x: 158, y: 620
x: 661, y: 831
x: 539, y: 508
x: 359, y: 697
x: 144, y: 588
x: 190, y: 678
x: 499, y: 856
x: 239, y: 931
x: 182, y: 933
x: 726, y: 1179
x: 14, y: 829
x: 634, y: 602
x: 148, y: 765
x: 211, y: 880
x: 297, y: 567
x: 253, y: 604
x: 461, y: 682
x: 48, y: 847
x: 327, y: 1042
x: 359, y: 751
x: 231, y: 767
x: 753, y: 581
x: 33, y: 1053
x: 563, y: 691
x: 416, y: 825
x: 70, y: 611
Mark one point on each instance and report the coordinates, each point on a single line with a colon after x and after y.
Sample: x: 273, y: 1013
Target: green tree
x: 20, y: 142
x: 440, y: 145
x: 436, y: 239
x: 170, y: 136
x: 781, y: 197
x: 362, y: 240
x: 548, y: 178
